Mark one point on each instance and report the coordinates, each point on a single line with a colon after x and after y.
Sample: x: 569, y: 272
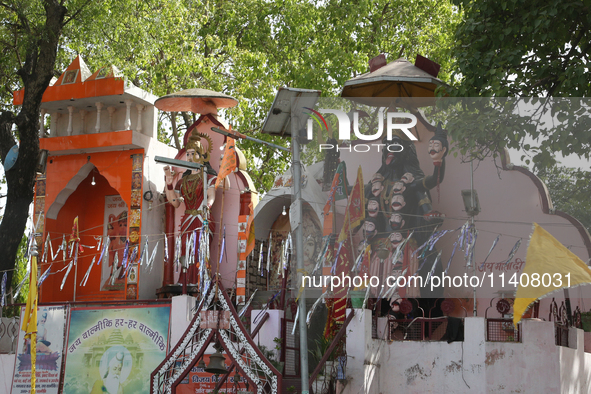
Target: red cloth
x: 191, y: 189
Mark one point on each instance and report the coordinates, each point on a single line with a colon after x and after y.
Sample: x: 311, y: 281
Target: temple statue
x: 198, y: 198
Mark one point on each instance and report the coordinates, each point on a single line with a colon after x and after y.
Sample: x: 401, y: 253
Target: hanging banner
x: 113, y: 350
x: 50, y: 343
x: 114, y: 227
x: 198, y: 381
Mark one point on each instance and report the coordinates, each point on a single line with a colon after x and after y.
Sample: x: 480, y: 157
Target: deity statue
x: 198, y: 198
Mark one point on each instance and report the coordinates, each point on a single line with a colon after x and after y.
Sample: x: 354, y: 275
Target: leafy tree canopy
x: 526, y: 48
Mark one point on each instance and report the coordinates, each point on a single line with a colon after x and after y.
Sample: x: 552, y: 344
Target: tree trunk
x: 36, y: 74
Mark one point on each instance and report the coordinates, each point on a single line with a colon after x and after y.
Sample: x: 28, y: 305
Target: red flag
x: 355, y: 207
x: 228, y: 163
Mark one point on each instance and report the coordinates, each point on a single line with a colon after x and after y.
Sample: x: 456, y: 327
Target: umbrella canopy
x: 399, y: 78
x: 201, y: 101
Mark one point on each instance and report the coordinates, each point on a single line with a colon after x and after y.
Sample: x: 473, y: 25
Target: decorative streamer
x: 69, y: 269
x: 105, y: 248
x: 322, y: 255
x: 3, y: 289
x: 245, y: 307
x: 177, y: 252
x: 360, y: 257
x: 491, y: 249
x: 194, y: 250
x: 365, y: 301
x: 165, y: 247
x: 223, y: 246
x: 87, y: 275
x: 513, y: 251
x: 400, y: 247
x: 144, y: 252
x: 472, y: 244
x: 430, y: 274
x: 452, y: 255
x: 45, y: 249
x: 334, y: 265
x: 44, y: 276
x: 390, y: 292
x: 269, y: 247
x: 19, y: 287
x: 313, y: 308
x: 115, y: 267
x: 125, y: 254
x: 295, y: 321
x: 152, y: 256
x: 261, y: 260
x: 131, y: 260
x: 281, y: 259
x: 288, y: 248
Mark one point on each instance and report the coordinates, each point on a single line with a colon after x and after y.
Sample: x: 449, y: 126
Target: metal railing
x: 502, y: 330
x: 561, y: 334
x: 418, y: 329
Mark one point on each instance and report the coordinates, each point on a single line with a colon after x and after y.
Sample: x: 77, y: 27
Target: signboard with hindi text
x: 50, y: 344
x: 114, y: 350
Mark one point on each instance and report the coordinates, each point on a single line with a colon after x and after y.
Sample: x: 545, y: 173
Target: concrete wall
x: 6, y: 372
x: 536, y: 365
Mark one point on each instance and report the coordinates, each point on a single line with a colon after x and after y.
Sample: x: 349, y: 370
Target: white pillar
x: 71, y: 111
x: 140, y: 108
x: 99, y: 106
x: 111, y: 112
x: 53, y: 126
x: 128, y: 115
x: 82, y: 117
x: 42, y: 124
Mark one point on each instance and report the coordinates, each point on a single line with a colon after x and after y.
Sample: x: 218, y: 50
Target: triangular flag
x: 355, y: 207
x: 228, y: 163
x: 553, y: 264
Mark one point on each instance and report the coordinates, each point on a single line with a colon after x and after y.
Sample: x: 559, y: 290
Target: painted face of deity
x: 192, y: 155
x: 370, y: 229
x: 396, y: 221
x: 397, y: 202
x: 373, y: 208
x: 398, y: 187
x: 436, y: 149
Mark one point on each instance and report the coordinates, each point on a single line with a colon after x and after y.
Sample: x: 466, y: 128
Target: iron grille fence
x: 502, y: 330
x: 561, y: 334
x: 419, y: 329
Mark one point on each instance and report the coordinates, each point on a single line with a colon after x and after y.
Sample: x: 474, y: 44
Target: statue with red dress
x: 198, y: 196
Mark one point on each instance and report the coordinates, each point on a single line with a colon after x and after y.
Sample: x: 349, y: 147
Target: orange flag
x: 228, y: 163
x: 355, y: 207
x: 250, y: 241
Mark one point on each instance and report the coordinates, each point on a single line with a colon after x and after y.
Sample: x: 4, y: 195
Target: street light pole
x: 299, y: 246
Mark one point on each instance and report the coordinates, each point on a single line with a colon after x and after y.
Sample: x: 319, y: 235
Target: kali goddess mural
x: 398, y: 201
x: 191, y: 188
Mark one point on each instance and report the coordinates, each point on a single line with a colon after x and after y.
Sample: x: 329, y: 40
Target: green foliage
x: 569, y: 189
x: 526, y: 48
x: 20, y: 272
x: 249, y: 48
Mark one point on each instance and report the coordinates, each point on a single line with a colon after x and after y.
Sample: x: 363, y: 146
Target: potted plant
x: 322, y: 346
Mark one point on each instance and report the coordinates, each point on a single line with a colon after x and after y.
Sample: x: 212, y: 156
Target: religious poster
x: 198, y: 381
x: 115, y: 228
x: 48, y: 363
x: 114, y: 350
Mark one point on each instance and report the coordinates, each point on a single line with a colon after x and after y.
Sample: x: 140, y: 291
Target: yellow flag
x: 29, y: 325
x: 549, y: 266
